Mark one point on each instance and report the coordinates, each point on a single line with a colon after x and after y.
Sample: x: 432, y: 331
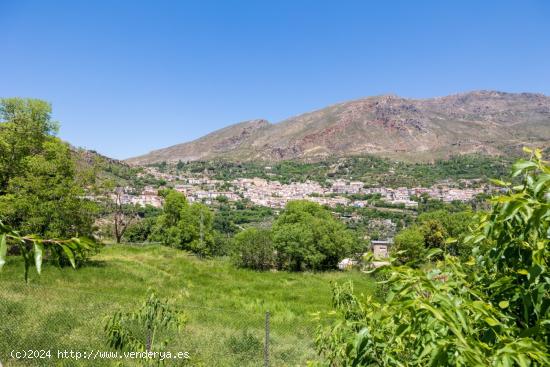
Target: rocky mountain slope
x: 408, y: 129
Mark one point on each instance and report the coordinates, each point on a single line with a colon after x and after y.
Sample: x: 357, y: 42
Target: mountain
x: 487, y: 122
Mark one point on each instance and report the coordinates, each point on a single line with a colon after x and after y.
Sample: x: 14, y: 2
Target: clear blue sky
x: 126, y: 77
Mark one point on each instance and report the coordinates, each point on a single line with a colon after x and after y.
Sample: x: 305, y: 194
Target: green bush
x: 253, y: 249
x: 140, y: 231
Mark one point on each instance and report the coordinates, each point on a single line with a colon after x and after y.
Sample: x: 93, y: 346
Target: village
x: 274, y: 194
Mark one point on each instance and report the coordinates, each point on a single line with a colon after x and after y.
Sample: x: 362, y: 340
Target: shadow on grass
x: 94, y: 264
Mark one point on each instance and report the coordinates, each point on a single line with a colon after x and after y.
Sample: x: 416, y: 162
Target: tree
x: 25, y: 124
x: 456, y: 226
x: 46, y: 198
x: 123, y: 214
x: 41, y: 190
x: 140, y: 230
x: 434, y: 234
x: 438, y: 229
x: 165, y: 229
x: 223, y: 222
x: 196, y: 230
x: 253, y: 248
x: 408, y: 246
x: 174, y: 203
x: 307, y: 236
x: 513, y: 249
x: 185, y: 226
x: 138, y: 330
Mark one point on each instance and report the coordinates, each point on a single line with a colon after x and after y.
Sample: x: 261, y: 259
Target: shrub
x: 140, y: 230
x: 246, y: 346
x: 253, y: 248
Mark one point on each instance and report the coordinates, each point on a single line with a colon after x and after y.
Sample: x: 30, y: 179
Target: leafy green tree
x: 166, y: 229
x: 25, y: 124
x: 174, y: 203
x: 46, y: 198
x: 437, y: 229
x: 222, y: 245
x: 196, y: 230
x: 307, y: 236
x: 41, y: 189
x: 513, y: 253
x: 253, y: 248
x: 434, y: 234
x: 184, y: 226
x: 408, y: 246
x: 456, y: 226
x: 223, y: 222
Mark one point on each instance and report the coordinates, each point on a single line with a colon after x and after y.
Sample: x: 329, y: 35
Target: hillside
x: 485, y: 122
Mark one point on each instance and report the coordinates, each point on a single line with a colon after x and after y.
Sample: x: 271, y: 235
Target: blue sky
x: 126, y: 77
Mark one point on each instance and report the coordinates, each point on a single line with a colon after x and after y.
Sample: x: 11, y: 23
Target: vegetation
x: 139, y: 330
x: 307, y: 237
x: 41, y: 192
x: 253, y: 249
x: 230, y: 218
x: 34, y: 250
x: 408, y: 246
x: 468, y: 288
x: 374, y: 171
x: 493, y: 310
x: 223, y: 305
x: 185, y: 226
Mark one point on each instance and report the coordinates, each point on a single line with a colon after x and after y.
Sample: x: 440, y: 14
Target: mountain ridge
x: 488, y: 122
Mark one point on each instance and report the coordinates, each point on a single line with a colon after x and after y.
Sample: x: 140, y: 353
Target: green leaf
x: 401, y: 329
x: 543, y: 179
x: 433, y: 252
x: 3, y: 250
x: 503, y: 304
x: 69, y: 254
x: 38, y: 251
x: 499, y: 182
x: 522, y: 165
x: 26, y: 258
x: 491, y: 321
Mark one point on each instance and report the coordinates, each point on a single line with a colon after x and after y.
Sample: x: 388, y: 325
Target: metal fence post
x: 266, y: 344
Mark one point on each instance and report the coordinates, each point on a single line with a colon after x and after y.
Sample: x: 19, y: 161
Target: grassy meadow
x: 225, y: 307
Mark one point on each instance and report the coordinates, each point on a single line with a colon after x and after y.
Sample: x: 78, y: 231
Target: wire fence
x: 66, y: 327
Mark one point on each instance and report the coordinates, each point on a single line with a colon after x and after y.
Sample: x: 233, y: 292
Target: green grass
x: 66, y: 308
